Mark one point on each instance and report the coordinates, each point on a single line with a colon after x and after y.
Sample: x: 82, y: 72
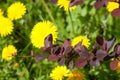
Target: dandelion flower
x: 40, y: 31
x: 83, y: 39
x: 6, y: 26
x: 118, y: 67
x: 65, y: 4
x: 16, y: 11
x: 112, y: 5
x: 8, y: 52
x: 1, y: 12
x: 59, y: 72
x: 75, y: 75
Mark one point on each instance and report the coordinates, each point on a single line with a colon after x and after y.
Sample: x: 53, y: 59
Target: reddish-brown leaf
x: 113, y: 64
x: 62, y: 61
x: 53, y: 57
x: 81, y: 63
x: 94, y: 62
x: 116, y: 12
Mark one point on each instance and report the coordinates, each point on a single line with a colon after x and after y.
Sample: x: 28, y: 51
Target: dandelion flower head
x: 59, y: 73
x: 83, y: 39
x: 112, y: 5
x: 75, y: 75
x: 8, y: 52
x: 16, y: 10
x: 118, y: 67
x: 40, y: 31
x: 65, y: 4
x: 6, y: 26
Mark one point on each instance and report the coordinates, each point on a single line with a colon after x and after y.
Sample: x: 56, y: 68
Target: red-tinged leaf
x: 90, y: 57
x: 100, y: 3
x: 48, y: 41
x: 111, y: 0
x: 104, y: 46
x: 100, y: 40
x: 110, y: 43
x: 100, y: 54
x: 109, y: 56
x: 67, y: 43
x: 117, y: 48
x: 116, y: 12
x: 81, y: 63
x: 112, y: 54
x: 57, y: 50
x: 84, y: 52
x: 67, y: 47
x: 95, y: 46
x: 75, y: 2
x: 62, y: 61
x: 39, y: 57
x: 67, y: 50
x: 53, y: 1
x: 94, y: 51
x: 70, y: 64
x: 94, y: 62
x: 77, y: 47
x: 53, y: 57
x: 113, y: 64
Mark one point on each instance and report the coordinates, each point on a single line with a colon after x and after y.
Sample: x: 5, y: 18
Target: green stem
x: 25, y: 48
x: 72, y: 29
x: 48, y: 10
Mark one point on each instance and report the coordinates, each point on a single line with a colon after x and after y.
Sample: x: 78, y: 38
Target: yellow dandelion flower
x: 75, y: 75
x: 8, y: 52
x: 16, y: 11
x: 112, y: 5
x: 83, y: 39
x: 65, y: 4
x: 1, y: 12
x: 40, y: 31
x: 6, y: 26
x: 59, y: 72
x: 118, y: 67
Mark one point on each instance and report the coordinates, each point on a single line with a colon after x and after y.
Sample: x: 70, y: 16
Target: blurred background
x: 86, y: 20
